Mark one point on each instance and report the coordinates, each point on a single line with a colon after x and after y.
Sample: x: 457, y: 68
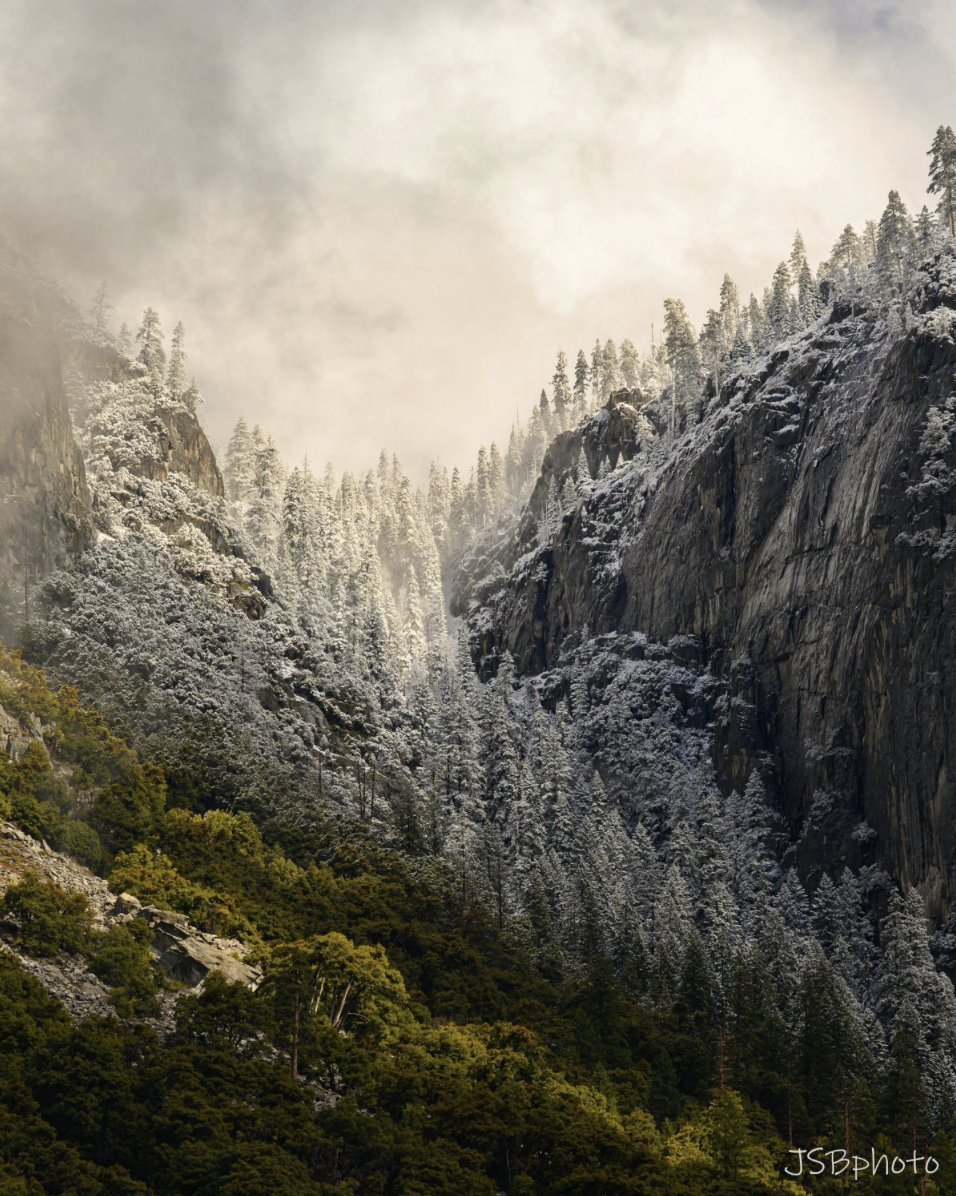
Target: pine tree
x: 758, y: 324
x: 483, y: 496
x: 835, y: 1060
x: 263, y: 518
x: 514, y: 470
x: 778, y: 311
x: 439, y: 503
x: 545, y: 414
x: 561, y: 394
x: 630, y: 364
x: 808, y: 295
x: 610, y: 370
x: 868, y: 243
x: 680, y: 346
x: 597, y: 374
x: 895, y: 247
x: 151, y: 353
x: 176, y: 376
x: 846, y: 259
x: 729, y: 310
x: 672, y: 926
x: 457, y: 514
x: 240, y: 468
x: 582, y: 374
x: 942, y: 175
x: 925, y: 232
x: 918, y: 1006
x: 742, y: 349
x: 798, y: 255
x: 712, y: 346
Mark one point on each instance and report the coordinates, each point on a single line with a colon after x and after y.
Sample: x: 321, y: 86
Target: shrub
x: 121, y: 959
x: 48, y: 919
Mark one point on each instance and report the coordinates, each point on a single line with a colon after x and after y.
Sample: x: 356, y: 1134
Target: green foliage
x: 401, y: 1042
x: 46, y: 919
x: 122, y: 960
x: 122, y: 799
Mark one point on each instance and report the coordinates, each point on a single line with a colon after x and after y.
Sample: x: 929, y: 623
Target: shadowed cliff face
x: 45, y: 515
x: 802, y: 536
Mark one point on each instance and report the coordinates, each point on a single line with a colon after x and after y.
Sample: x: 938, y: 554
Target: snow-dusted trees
x: 597, y: 375
x: 263, y: 517
x: 240, y: 465
x: 808, y: 295
x: 846, y: 259
x: 561, y: 394
x: 778, y: 309
x: 895, y: 246
x: 582, y: 374
x: 176, y: 375
x: 942, y: 175
x: 729, y: 312
x: 712, y: 349
x: 152, y: 352
x: 630, y: 364
x: 918, y: 1006
x: 798, y: 255
x: 611, y: 379
x: 680, y: 347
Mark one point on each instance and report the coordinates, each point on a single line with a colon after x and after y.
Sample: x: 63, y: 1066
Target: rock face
x: 802, y: 534
x: 45, y: 512
x: 185, y: 953
x: 184, y: 449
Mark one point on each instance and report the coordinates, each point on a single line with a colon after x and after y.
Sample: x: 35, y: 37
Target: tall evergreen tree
x: 152, y: 353
x: 846, y: 260
x: 582, y: 374
x: 942, y: 175
x: 597, y: 374
x: 729, y: 311
x: 895, y: 247
x: 630, y: 364
x: 176, y: 375
x: 240, y: 470
x: 925, y: 232
x: 808, y: 295
x: 561, y: 394
x: 778, y: 311
x: 680, y: 346
x: 798, y: 255
x: 610, y: 370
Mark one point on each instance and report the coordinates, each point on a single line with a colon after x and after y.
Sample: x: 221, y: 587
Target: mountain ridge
x: 788, y: 538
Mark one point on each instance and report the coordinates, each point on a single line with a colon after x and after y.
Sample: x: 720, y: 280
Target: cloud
x: 380, y: 221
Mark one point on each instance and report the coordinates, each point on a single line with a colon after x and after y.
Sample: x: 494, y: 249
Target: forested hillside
x: 549, y: 796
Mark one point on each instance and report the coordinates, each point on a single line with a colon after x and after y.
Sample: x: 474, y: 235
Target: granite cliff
x: 45, y: 507
x: 795, y: 545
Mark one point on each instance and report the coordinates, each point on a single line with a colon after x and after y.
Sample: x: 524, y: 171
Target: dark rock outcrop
x: 45, y: 512
x: 183, y: 449
x: 803, y: 535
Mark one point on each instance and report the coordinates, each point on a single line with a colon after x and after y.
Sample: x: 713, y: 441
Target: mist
x: 379, y: 223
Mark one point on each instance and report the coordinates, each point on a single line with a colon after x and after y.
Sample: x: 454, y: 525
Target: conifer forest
x: 573, y: 817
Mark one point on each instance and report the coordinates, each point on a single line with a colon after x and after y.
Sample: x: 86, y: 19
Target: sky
x: 379, y: 221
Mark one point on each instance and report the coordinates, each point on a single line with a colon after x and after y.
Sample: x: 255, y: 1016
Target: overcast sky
x: 379, y: 220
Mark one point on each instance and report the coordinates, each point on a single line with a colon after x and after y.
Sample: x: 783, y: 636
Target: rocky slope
x: 796, y: 545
